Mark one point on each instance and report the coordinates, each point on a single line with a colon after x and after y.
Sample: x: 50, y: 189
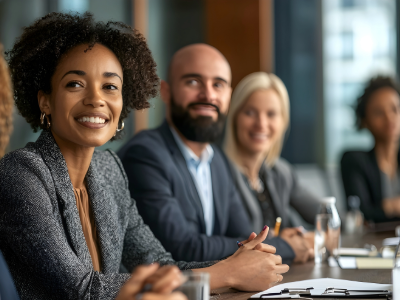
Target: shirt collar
x: 188, y: 154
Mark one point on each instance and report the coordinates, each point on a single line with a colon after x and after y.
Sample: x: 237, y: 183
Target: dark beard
x: 201, y: 129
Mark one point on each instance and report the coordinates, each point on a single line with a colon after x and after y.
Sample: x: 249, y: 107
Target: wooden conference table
x: 311, y: 271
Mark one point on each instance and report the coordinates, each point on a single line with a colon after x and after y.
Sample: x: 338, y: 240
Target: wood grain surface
x: 310, y: 270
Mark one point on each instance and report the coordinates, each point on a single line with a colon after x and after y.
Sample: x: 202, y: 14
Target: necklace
x: 257, y: 185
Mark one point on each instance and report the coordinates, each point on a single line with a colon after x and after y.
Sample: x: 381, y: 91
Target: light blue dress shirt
x: 199, y: 167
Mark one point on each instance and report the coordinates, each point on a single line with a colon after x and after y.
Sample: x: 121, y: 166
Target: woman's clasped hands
x: 253, y: 267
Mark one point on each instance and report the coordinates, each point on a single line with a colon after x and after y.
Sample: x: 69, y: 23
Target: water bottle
x: 396, y: 274
x: 354, y: 217
x: 327, y: 230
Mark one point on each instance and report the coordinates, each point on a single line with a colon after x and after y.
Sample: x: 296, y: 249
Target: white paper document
x: 319, y: 286
x: 352, y: 252
x: 344, y: 262
x: 394, y: 241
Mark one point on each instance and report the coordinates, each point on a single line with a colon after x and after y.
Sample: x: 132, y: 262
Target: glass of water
x: 197, y: 285
x: 320, y: 238
x: 327, y: 237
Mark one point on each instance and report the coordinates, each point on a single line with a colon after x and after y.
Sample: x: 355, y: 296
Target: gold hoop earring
x: 118, y: 130
x: 48, y: 122
x: 122, y: 127
x: 42, y: 115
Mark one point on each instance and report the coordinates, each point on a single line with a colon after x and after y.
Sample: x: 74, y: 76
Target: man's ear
x: 165, y: 92
x: 44, y: 102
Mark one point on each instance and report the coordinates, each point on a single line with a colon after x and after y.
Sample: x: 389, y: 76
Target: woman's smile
x: 259, y: 136
x: 93, y: 120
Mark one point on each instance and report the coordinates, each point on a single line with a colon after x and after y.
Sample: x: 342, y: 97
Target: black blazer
x: 41, y: 233
x: 168, y: 201
x: 361, y: 177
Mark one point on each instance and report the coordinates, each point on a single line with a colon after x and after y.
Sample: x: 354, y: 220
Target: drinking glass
x: 327, y: 237
x: 197, y: 286
x: 321, y: 234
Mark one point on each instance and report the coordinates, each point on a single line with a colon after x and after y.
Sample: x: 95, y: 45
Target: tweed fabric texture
x: 41, y: 234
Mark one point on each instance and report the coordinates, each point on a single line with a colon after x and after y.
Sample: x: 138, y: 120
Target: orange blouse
x: 88, y: 226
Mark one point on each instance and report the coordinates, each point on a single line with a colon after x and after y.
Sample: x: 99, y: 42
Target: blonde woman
x: 6, y: 104
x: 256, y: 126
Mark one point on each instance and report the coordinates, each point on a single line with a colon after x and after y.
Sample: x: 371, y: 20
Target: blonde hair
x: 246, y: 87
x: 6, y: 104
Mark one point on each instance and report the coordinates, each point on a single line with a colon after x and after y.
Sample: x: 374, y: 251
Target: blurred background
x: 323, y: 50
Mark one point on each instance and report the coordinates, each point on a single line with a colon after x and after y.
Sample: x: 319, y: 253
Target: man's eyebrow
x: 199, y: 76
x: 77, y: 72
x: 221, y: 79
x: 111, y: 74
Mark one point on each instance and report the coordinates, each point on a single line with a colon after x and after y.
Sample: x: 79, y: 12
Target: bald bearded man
x: 180, y: 181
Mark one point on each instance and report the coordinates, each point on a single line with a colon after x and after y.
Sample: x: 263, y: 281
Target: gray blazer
x: 41, y: 234
x: 285, y: 193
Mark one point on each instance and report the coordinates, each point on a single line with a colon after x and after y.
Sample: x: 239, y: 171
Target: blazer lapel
x: 218, y: 204
x: 55, y: 161
x: 269, y: 178
x: 180, y: 163
x: 248, y: 198
x: 104, y: 219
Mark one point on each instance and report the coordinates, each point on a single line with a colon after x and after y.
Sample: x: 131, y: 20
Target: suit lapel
x: 55, y: 161
x: 217, y: 196
x: 184, y: 172
x: 104, y: 218
x: 271, y: 185
x: 248, y: 198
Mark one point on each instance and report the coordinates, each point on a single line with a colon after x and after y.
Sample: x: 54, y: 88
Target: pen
x: 277, y: 226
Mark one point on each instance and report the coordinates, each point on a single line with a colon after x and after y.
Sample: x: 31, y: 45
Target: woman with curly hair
x: 6, y: 104
x: 374, y: 176
x: 67, y: 220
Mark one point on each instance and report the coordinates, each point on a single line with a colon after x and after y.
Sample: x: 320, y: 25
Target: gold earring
x: 118, y: 130
x: 48, y: 122
x: 42, y: 115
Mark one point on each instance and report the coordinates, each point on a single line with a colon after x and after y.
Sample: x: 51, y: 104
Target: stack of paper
x: 319, y: 286
x: 394, y: 241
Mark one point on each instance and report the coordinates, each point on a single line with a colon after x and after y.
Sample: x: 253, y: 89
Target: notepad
x: 319, y: 287
x: 374, y: 263
x: 346, y: 262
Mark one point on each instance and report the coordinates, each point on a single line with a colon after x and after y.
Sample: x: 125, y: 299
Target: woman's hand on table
x: 391, y: 207
x: 161, y: 280
x: 301, y: 245
x: 253, y: 267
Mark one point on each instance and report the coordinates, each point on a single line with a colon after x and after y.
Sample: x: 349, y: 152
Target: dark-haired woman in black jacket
x: 374, y: 176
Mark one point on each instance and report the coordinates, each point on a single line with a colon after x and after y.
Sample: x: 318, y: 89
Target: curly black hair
x: 36, y: 54
x: 372, y: 86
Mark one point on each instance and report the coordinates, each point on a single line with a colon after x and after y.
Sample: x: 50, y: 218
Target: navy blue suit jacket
x: 168, y: 201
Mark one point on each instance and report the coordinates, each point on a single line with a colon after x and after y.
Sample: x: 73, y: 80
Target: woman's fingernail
x: 239, y: 244
x: 265, y: 227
